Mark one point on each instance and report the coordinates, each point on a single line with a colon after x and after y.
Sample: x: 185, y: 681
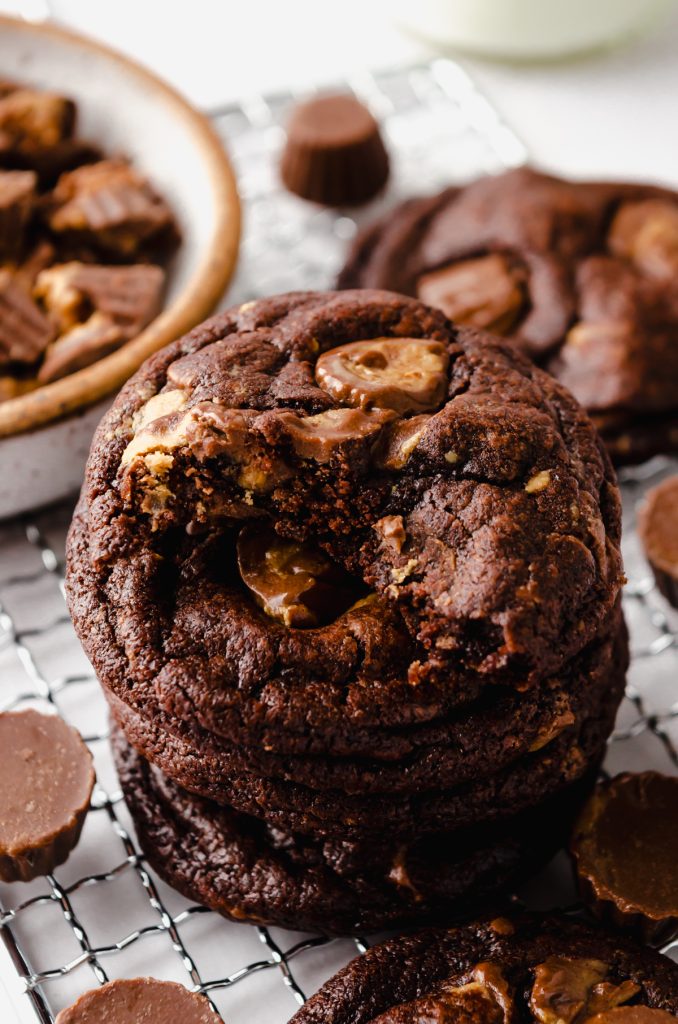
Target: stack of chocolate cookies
x: 349, y: 576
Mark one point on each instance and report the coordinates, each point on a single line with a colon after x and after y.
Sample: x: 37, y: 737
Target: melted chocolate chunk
x: 484, y: 292
x: 294, y: 583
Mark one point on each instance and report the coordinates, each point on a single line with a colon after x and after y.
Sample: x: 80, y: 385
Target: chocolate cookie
x: 308, y: 810
x: 474, y: 743
x: 579, y: 275
x: 246, y: 870
x: 326, y: 543
x: 543, y: 970
x: 481, y: 538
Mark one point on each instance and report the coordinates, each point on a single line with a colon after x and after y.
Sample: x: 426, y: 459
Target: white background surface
x: 612, y: 113
x: 608, y: 114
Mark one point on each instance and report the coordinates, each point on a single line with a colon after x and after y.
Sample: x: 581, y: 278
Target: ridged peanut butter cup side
x: 47, y: 780
x: 625, y: 847
x: 334, y: 153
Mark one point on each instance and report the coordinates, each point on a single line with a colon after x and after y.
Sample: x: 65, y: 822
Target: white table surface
x: 610, y: 114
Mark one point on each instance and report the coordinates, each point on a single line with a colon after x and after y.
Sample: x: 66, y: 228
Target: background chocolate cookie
x: 526, y: 969
x: 580, y: 275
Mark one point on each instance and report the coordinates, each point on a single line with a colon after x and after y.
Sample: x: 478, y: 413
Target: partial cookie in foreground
x: 658, y: 529
x: 625, y: 846
x: 47, y: 780
x: 580, y: 275
x: 137, y: 1000
x: 547, y: 971
x: 334, y: 153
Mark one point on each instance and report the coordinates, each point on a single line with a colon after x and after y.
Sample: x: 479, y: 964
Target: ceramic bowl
x: 45, y: 435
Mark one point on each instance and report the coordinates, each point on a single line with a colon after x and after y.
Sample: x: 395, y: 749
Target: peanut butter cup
x: 625, y: 846
x: 133, y: 1000
x: 47, y: 781
x: 25, y: 331
x: 658, y: 529
x: 334, y: 152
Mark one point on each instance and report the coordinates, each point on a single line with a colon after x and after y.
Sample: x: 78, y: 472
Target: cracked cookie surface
x: 482, y: 534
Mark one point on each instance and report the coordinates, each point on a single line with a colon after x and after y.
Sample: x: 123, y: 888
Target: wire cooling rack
x: 104, y: 914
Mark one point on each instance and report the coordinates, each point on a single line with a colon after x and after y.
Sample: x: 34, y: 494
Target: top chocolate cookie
x: 581, y: 275
x: 319, y: 510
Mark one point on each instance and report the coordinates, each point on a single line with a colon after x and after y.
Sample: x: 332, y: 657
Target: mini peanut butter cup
x: 625, y: 846
x: 132, y: 1000
x: 658, y: 528
x: 47, y: 780
x: 334, y: 153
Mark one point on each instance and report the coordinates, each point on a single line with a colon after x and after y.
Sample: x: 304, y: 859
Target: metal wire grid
x: 63, y: 933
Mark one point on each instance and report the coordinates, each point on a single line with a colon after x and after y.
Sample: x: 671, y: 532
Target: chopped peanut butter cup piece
x: 625, y: 845
x: 17, y: 199
x: 111, y: 207
x: 32, y: 120
x: 40, y: 257
x: 131, y: 296
x: 646, y: 233
x: 403, y: 374
x: 81, y: 346
x: 569, y: 991
x: 25, y: 332
x: 295, y: 583
x: 133, y: 1000
x: 472, y: 1003
x: 97, y: 309
x: 399, y: 441
x: 47, y: 780
x: 484, y: 292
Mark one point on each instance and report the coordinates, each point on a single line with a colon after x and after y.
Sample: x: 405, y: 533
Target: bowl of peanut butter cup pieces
x: 119, y: 228
x: 347, y: 564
